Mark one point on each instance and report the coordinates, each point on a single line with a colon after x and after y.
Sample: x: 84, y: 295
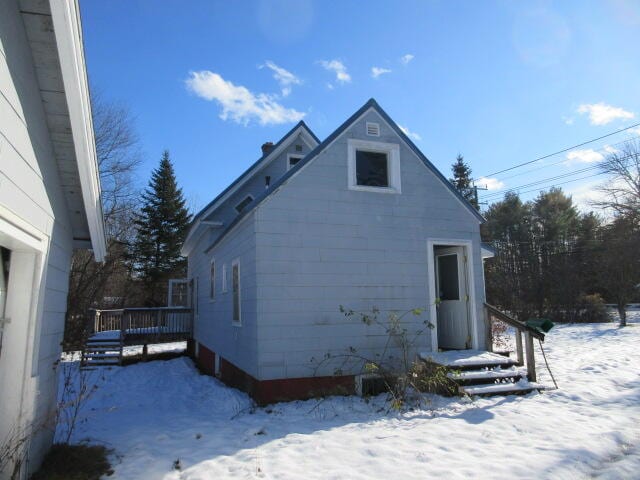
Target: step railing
x: 157, y: 322
x: 494, y: 314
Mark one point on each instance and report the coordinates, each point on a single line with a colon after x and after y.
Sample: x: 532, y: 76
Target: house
x: 49, y: 205
x: 361, y: 219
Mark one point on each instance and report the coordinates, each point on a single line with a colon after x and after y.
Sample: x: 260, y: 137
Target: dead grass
x: 74, y: 462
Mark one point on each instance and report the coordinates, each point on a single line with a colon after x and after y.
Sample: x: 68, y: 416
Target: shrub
x: 402, y: 376
x: 74, y: 462
x: 593, y: 309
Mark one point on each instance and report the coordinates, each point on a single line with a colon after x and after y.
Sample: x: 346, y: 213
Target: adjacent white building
x: 49, y: 205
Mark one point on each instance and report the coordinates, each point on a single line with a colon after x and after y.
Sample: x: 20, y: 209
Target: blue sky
x: 499, y: 82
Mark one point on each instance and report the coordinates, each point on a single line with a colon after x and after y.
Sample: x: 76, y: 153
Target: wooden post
x: 519, y: 355
x: 531, y: 362
x: 488, y: 330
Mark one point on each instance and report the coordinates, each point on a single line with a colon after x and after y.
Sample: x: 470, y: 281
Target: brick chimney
x: 267, y: 147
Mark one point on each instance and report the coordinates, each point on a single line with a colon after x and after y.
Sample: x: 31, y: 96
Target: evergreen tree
x: 162, y: 226
x: 462, y: 180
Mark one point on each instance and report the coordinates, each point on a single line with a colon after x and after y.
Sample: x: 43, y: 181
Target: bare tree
x: 622, y: 190
x: 618, y: 262
x: 619, y: 258
x: 118, y: 159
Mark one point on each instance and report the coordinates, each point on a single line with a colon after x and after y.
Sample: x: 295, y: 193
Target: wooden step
x: 101, y: 355
x: 102, y: 342
x: 520, y: 388
x: 464, y: 360
x: 477, y: 377
x: 102, y: 348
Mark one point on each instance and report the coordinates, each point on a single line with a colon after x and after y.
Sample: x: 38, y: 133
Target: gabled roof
x: 371, y: 104
x: 300, y: 127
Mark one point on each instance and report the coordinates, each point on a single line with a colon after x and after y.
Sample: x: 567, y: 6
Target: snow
x: 106, y: 335
x: 466, y: 358
x: 157, y: 412
x: 521, y: 385
x: 487, y: 374
x: 170, y: 347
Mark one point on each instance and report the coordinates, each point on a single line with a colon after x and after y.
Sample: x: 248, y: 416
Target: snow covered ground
x: 155, y: 413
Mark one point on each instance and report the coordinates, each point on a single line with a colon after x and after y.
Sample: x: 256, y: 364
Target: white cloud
x: 284, y: 77
x: 405, y: 59
x: 489, y: 183
x: 601, y: 113
x: 409, y: 133
x: 568, y: 120
x: 585, y: 194
x: 239, y: 103
x: 377, y: 71
x: 583, y: 156
x: 336, y: 66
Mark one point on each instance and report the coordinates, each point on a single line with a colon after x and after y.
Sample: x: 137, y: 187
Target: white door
x: 452, y: 298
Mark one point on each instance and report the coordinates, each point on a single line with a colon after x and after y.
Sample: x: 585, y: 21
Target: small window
x: 373, y: 166
x: 212, y: 281
x: 224, y: 278
x: 293, y: 160
x: 372, y: 169
x: 235, y: 285
x: 243, y: 204
x: 298, y: 148
x: 448, y: 282
x: 373, y: 129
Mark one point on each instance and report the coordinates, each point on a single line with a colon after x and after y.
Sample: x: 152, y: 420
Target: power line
x: 599, y: 165
x: 600, y: 150
x: 544, y: 180
x: 561, y: 183
x: 561, y: 151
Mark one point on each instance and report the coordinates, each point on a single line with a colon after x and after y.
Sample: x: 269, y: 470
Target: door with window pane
x: 451, y: 291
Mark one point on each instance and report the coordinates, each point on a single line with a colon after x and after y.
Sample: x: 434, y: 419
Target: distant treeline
x: 554, y: 262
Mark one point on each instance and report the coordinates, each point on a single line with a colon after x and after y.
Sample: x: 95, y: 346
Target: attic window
x: 372, y: 169
x: 298, y: 148
x: 292, y: 160
x: 373, y: 166
x: 373, y: 129
x: 242, y: 205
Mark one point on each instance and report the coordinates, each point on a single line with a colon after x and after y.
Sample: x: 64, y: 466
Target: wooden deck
x: 109, y: 331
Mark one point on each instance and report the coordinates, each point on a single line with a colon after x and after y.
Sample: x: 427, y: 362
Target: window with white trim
x: 292, y: 160
x: 224, y: 278
x: 212, y: 280
x: 374, y: 166
x: 243, y: 204
x: 235, y: 287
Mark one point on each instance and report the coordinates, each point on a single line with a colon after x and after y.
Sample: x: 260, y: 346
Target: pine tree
x: 462, y: 180
x: 162, y: 226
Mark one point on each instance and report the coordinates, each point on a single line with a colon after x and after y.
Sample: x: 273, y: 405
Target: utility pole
x: 475, y: 194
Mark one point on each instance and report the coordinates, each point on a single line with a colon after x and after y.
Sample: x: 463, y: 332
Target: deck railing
x: 492, y: 314
x: 160, y: 322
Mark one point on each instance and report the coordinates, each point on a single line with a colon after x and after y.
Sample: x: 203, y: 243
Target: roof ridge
x: 371, y: 103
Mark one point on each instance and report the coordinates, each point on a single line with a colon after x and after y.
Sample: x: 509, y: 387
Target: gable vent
x: 373, y: 129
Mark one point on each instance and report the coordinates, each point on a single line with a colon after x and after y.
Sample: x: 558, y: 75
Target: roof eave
x: 65, y: 16
x: 238, y: 182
